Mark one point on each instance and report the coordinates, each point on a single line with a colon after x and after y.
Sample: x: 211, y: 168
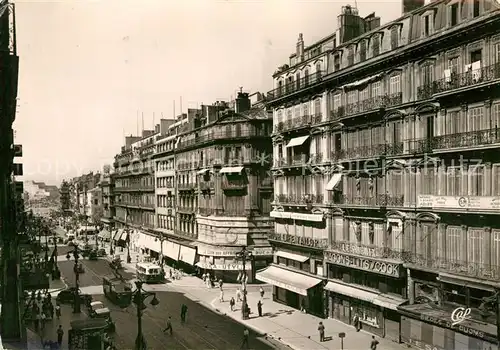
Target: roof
x: 256, y: 113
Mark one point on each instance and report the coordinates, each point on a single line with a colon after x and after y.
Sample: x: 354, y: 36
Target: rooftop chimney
x: 300, y: 48
x: 410, y: 5
x: 350, y: 24
x: 243, y: 102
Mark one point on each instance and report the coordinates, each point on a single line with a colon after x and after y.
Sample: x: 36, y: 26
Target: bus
x: 150, y: 272
x: 118, y: 291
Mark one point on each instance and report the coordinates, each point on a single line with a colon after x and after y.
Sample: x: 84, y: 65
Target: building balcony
x: 305, y: 199
x: 337, y: 113
x: 367, y: 105
x: 463, y: 80
x: 234, y: 184
x: 465, y: 268
x: 364, y: 151
x: 371, y: 250
x: 467, y: 139
x: 186, y: 186
x: 185, y: 209
x: 214, y: 136
x: 298, y: 123
x: 185, y: 234
x: 295, y: 86
x: 292, y: 161
x: 206, y: 185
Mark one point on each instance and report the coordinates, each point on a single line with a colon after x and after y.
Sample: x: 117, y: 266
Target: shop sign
x: 464, y: 202
x: 217, y: 253
x: 365, y: 264
x: 224, y: 267
x: 262, y: 251
x: 421, y: 345
x: 352, y: 248
x: 449, y: 324
x: 459, y: 315
x: 299, y: 240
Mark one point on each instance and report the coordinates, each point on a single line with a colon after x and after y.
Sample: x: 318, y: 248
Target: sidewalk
x: 283, y: 323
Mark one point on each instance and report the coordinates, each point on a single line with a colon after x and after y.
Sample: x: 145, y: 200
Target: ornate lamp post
x: 161, y: 239
x: 244, y: 255
x: 76, y: 302
x: 129, y: 259
x: 139, y: 296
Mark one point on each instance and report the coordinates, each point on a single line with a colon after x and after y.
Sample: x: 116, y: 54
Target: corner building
x: 387, y: 174
x: 223, y: 185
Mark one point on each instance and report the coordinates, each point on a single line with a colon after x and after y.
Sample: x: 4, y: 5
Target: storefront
x: 222, y: 263
x: 369, y: 288
x: 428, y: 326
x: 294, y: 288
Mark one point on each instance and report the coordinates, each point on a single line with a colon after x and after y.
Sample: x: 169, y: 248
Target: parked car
x: 102, y: 252
x: 67, y: 296
x: 97, y: 309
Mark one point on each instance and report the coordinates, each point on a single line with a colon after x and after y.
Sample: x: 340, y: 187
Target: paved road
x: 204, y: 328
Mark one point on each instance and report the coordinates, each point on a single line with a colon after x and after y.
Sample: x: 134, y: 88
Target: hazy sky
x: 87, y: 67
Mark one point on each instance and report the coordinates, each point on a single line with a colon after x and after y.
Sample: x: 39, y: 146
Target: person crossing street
x: 169, y: 326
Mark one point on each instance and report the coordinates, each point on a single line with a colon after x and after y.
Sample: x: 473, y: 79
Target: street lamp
x: 129, y: 259
x: 244, y: 255
x: 139, y: 296
x: 161, y: 239
x: 76, y: 301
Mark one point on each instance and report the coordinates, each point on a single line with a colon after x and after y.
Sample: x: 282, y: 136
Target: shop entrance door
x: 292, y: 299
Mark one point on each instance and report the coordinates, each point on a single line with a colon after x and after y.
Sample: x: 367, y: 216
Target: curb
x: 252, y: 327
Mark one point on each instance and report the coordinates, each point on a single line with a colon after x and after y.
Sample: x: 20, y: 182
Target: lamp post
x: 161, y: 239
x: 139, y: 296
x: 76, y: 301
x: 244, y: 255
x: 129, y: 259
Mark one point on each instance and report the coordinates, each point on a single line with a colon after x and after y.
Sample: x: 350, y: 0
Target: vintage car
x: 67, y: 296
x: 97, y: 309
x: 116, y: 263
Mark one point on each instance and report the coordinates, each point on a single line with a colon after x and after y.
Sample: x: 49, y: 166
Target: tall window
x: 495, y: 116
x: 428, y: 180
x: 475, y: 243
x: 362, y: 51
x: 454, y: 14
x: 495, y: 176
x: 426, y: 74
x: 453, y: 65
x: 394, y: 38
x: 317, y: 106
x: 297, y: 111
x: 495, y: 248
x: 454, y: 246
x: 375, y: 45
x: 350, y: 56
x: 364, y: 94
x: 376, y: 89
x: 337, y: 101
x: 476, y: 176
x: 336, y: 62
x: 352, y: 97
x: 427, y: 25
x: 395, y: 84
x: 454, y: 181
x: 497, y: 53
x: 305, y: 108
x: 477, y: 121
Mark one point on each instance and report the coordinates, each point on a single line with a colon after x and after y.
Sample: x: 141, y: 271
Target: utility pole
x: 12, y: 330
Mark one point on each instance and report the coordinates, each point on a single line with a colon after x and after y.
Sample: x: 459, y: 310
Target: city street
x: 204, y: 328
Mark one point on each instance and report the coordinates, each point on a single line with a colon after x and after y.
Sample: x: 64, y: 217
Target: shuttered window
x: 454, y: 246
x: 475, y: 246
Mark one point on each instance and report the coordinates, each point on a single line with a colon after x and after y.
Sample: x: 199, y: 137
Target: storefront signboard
x: 299, y: 240
x: 422, y: 345
x: 365, y: 264
x: 262, y: 251
x: 449, y: 324
x: 223, y: 267
x: 456, y: 202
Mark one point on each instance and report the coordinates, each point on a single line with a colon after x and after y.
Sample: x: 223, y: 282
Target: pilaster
x: 219, y: 204
x: 249, y: 195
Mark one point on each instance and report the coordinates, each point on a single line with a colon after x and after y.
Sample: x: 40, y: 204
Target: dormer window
x: 454, y: 13
x: 375, y: 45
x: 394, y: 38
x: 362, y: 51
x: 350, y: 56
x: 427, y: 25
x: 336, y: 63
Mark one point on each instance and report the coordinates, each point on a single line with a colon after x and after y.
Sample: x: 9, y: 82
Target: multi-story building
x: 223, y: 186
x: 82, y: 186
x: 134, y: 187
x: 387, y: 180
x: 107, y: 189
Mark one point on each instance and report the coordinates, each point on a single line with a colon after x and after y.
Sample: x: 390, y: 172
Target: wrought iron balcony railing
x: 337, y: 113
x: 186, y: 186
x: 379, y: 200
x: 364, y: 151
x: 461, y: 267
x: 466, y: 139
x: 299, y: 199
x: 470, y: 78
x: 367, y: 105
x: 299, y: 84
x: 370, y: 250
x: 213, y: 136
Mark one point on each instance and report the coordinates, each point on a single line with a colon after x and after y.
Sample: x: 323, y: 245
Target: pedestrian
x: 238, y: 295
x: 259, y: 308
x: 356, y: 322
x: 36, y: 322
x: 184, y: 310
x: 321, y: 329
x: 43, y: 318
x: 221, y: 299
x: 246, y: 335
x: 58, y: 311
x: 374, y: 343
x: 261, y: 290
x: 169, y: 325
x: 60, y: 334
x: 231, y: 303
x: 220, y: 283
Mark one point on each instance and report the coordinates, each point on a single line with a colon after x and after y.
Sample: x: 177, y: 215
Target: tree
x: 97, y: 214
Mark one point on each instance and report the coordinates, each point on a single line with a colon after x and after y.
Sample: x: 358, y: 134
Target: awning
x: 297, y: 141
x: 296, y: 216
x: 231, y: 170
x: 286, y: 279
x: 334, y: 181
x: 105, y: 234
x: 202, y: 171
x: 171, y: 250
x: 141, y: 240
x: 292, y: 256
x: 388, y: 302
x: 361, y: 82
x: 187, y: 255
x: 152, y: 243
x: 117, y: 234
x: 350, y: 291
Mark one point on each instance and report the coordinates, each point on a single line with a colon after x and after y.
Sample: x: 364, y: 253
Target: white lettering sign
x: 459, y: 315
x: 362, y: 263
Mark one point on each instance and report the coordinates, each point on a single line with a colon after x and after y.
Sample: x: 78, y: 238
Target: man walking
x: 184, y: 310
x: 374, y: 343
x: 259, y: 308
x: 246, y: 335
x: 169, y: 326
x: 60, y: 334
x: 321, y: 329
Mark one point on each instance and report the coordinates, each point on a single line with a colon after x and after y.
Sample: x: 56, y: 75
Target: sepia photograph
x: 250, y: 174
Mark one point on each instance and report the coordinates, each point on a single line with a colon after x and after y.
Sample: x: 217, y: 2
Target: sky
x: 89, y: 68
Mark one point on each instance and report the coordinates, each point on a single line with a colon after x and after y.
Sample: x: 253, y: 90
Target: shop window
x: 476, y: 297
x: 281, y: 260
x: 306, y: 266
x: 455, y: 294
x: 369, y: 315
